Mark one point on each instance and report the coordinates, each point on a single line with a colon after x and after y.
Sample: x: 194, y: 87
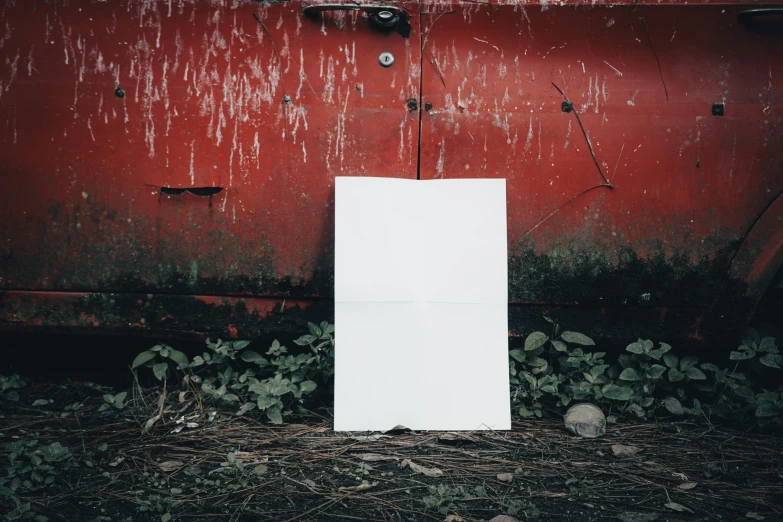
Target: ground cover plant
x: 243, y: 432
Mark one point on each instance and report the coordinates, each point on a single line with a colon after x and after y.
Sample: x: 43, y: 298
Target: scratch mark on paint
x: 617, y: 72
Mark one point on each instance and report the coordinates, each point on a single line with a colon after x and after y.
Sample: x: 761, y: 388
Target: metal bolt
x: 385, y: 15
x: 428, y: 106
x: 386, y: 59
x: 119, y: 93
x: 717, y: 109
x: 286, y: 99
x: 567, y: 106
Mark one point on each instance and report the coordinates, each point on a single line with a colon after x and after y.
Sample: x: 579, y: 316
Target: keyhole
x: 386, y: 59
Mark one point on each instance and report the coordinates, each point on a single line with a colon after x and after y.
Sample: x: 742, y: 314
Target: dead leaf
x: 678, y: 507
x: 687, y: 485
x: 621, y: 450
x: 170, y: 465
x: 638, y: 517
x: 41, y: 402
x: 453, y: 518
x: 429, y: 472
x: 150, y: 422
x: 753, y: 515
x: 361, y: 487
x: 310, y: 483
x: 117, y: 462
x: 505, y: 477
x: 374, y: 457
x: 503, y: 518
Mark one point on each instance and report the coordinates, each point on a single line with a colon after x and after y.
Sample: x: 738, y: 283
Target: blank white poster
x: 421, y: 295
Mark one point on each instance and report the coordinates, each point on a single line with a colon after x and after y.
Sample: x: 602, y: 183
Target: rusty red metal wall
x: 110, y: 110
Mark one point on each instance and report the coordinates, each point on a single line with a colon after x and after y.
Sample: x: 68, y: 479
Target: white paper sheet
x: 421, y: 293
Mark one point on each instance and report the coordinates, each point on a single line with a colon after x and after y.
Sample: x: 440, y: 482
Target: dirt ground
x: 303, y: 471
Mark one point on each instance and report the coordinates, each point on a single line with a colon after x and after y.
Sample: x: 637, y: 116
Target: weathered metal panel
x: 199, y: 190
x: 93, y: 175
x: 639, y: 196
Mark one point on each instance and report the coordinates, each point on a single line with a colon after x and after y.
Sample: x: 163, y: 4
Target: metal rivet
x: 567, y: 106
x: 717, y: 109
x: 428, y: 106
x: 286, y: 99
x: 386, y: 59
x: 385, y: 15
x: 119, y: 93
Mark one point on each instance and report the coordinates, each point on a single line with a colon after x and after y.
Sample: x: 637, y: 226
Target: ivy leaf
x: 246, y: 408
x: 670, y: 360
x: 314, y: 329
x: 142, y: 358
x: 265, y: 401
x: 675, y: 375
x: 535, y: 341
x: 673, y: 405
x: 560, y: 346
x: 743, y: 354
x: 274, y: 414
x: 178, y: 357
x: 254, y: 357
x: 307, y: 386
x: 766, y: 409
x: 160, y: 370
x: 769, y: 360
x: 655, y: 371
x: 688, y: 362
x: 518, y: 355
x: 629, y: 374
x: 768, y: 345
x: 635, y: 348
x: 696, y: 374
x: 577, y: 338
x: 709, y: 367
x: 618, y: 393
x: 238, y: 345
x: 538, y: 362
x: 306, y: 340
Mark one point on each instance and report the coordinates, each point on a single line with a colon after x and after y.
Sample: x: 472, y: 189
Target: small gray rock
x: 585, y: 420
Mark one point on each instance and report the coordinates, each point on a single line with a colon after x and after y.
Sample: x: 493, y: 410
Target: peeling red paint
x: 119, y: 118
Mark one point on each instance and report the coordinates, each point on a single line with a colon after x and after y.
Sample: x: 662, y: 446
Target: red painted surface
x: 85, y: 214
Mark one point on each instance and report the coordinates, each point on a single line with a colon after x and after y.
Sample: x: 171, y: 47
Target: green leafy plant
x: 8, y: 387
x: 232, y: 375
x: 157, y: 358
x: 113, y: 402
x: 646, y: 378
x: 441, y: 497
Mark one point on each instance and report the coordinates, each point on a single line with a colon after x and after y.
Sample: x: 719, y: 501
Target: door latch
x: 384, y: 18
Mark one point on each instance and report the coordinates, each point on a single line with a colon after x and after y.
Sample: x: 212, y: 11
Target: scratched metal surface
x: 96, y: 230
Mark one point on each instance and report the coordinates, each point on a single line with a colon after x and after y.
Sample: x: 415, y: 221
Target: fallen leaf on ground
x: 753, y: 515
x: 621, y: 450
x: 117, y: 462
x: 687, y: 485
x: 361, y: 487
x: 41, y: 402
x: 170, y: 465
x: 638, y: 517
x: 430, y: 472
x: 453, y: 518
x: 374, y: 457
x: 678, y: 507
x: 505, y: 477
